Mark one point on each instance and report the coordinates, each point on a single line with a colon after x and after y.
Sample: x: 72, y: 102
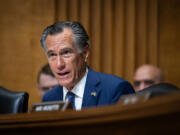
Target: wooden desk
x: 156, y: 116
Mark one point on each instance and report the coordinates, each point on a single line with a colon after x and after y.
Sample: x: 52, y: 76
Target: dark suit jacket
x: 107, y: 89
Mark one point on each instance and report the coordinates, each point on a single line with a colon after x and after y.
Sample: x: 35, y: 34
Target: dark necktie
x: 71, y: 98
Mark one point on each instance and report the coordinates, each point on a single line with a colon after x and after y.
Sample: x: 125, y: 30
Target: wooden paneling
x: 169, y: 44
x: 124, y: 34
x: 141, y: 32
x: 61, y: 12
x: 146, y: 32
x: 107, y: 34
x: 152, y: 32
x: 118, y: 38
x: 160, y: 115
x: 95, y: 35
x: 21, y: 25
x: 129, y: 33
x: 85, y: 14
x: 73, y: 10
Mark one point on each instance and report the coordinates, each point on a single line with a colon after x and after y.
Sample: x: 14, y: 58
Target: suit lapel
x: 91, y: 92
x: 59, y: 93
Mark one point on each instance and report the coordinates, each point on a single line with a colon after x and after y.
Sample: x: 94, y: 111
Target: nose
x: 60, y: 63
x: 140, y: 86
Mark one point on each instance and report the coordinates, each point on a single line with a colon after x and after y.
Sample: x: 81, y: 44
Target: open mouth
x: 63, y: 74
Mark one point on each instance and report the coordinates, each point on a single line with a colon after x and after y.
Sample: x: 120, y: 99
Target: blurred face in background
x: 146, y: 76
x: 66, y: 61
x: 46, y: 82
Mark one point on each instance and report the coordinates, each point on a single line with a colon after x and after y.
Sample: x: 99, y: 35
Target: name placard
x: 134, y: 98
x: 51, y: 106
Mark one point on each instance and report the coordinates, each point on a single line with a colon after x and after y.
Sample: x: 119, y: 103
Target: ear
x: 86, y: 52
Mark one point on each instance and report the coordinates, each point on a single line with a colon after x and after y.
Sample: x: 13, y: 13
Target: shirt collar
x: 78, y: 89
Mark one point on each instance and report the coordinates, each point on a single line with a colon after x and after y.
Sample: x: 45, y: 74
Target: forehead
x: 145, y: 74
x: 65, y: 37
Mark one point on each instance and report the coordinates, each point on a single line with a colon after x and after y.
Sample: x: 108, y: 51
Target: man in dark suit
x: 67, y: 48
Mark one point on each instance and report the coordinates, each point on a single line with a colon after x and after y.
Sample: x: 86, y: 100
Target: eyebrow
x: 50, y: 51
x: 146, y: 80
x: 66, y: 49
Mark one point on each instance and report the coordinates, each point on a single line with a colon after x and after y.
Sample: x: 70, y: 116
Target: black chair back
x: 148, y: 93
x: 13, y: 102
x: 159, y: 89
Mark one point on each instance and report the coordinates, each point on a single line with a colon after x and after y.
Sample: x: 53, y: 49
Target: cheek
x: 74, y: 66
x: 77, y: 64
x: 52, y: 66
x: 72, y: 62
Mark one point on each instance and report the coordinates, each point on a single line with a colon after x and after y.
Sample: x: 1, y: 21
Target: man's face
x: 67, y: 64
x: 145, y: 77
x: 46, y: 82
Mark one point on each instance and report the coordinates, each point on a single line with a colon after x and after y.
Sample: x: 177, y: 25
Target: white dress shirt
x: 78, y: 90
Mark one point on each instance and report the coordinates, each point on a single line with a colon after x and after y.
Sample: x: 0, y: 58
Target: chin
x: 65, y: 83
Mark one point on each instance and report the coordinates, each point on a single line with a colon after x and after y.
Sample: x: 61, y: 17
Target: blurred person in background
x: 45, y: 80
x: 146, y: 76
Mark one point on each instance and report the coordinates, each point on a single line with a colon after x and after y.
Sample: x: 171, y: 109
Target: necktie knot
x: 71, y: 98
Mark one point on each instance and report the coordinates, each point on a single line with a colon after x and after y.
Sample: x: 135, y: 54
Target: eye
x: 137, y: 83
x: 51, y: 54
x: 67, y: 52
x: 149, y: 82
x: 45, y: 88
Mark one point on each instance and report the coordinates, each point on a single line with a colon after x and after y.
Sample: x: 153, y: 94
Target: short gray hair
x: 80, y: 37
